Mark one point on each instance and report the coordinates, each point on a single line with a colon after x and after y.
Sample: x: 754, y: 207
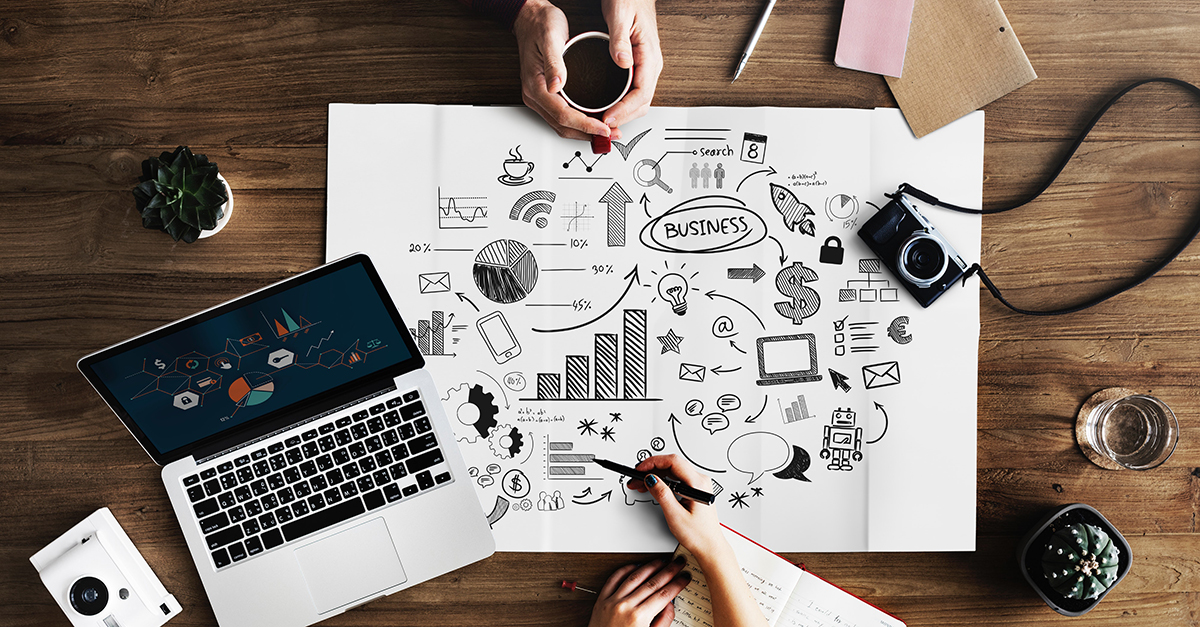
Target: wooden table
x: 89, y: 88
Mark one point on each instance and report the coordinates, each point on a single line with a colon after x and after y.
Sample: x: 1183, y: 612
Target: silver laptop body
x: 309, y: 460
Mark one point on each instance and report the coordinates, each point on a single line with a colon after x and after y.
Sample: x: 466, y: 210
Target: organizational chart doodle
x: 623, y: 306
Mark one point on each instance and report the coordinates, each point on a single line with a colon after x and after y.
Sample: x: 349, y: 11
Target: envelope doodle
x: 434, y: 282
x: 881, y: 375
x: 692, y: 372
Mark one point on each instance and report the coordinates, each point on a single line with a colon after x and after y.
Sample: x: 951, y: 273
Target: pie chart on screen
x: 505, y: 271
x: 251, y: 388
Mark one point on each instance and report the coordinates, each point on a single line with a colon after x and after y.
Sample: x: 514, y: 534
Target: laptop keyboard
x: 328, y: 472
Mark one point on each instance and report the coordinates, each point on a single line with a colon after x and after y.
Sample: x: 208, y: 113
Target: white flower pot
x: 226, y: 211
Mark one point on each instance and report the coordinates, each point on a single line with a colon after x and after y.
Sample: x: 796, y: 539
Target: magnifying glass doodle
x: 641, y: 173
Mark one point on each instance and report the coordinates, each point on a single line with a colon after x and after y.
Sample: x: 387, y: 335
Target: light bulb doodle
x: 673, y: 289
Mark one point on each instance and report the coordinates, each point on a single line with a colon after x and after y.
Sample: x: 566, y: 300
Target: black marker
x: 678, y: 487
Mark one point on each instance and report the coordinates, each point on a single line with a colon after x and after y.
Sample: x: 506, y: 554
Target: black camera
x: 913, y: 250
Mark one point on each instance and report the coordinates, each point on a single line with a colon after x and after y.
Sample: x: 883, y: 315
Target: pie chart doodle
x: 505, y: 271
x: 251, y: 388
x: 841, y: 207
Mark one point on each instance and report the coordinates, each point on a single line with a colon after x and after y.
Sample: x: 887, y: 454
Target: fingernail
x: 651, y: 480
x: 624, y: 56
x: 611, y: 122
x: 680, y: 559
x: 554, y: 83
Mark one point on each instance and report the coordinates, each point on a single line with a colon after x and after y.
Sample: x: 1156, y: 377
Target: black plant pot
x: 1032, y: 546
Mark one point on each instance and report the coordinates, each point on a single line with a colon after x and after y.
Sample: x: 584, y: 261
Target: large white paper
x: 540, y: 281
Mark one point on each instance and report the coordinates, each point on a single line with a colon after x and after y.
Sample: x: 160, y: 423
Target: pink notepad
x: 873, y: 36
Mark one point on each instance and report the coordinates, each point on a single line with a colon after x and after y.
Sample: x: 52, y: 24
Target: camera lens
x: 922, y: 260
x: 89, y: 596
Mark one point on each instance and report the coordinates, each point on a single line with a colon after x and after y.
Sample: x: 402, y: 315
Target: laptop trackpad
x: 350, y: 566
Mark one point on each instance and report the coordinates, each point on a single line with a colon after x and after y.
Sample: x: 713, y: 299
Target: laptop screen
x: 252, y: 357
x: 787, y: 355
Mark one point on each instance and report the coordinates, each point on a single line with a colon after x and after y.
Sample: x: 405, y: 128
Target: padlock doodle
x: 804, y: 300
x: 832, y: 253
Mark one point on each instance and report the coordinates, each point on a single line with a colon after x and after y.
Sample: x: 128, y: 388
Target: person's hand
x: 693, y: 524
x: 633, y: 42
x: 541, y: 30
x: 640, y: 596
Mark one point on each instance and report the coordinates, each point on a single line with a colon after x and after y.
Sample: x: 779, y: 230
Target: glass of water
x: 1120, y: 429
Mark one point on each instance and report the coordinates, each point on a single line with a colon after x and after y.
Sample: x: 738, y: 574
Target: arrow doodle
x: 885, y: 423
x: 760, y: 412
x: 633, y: 279
x: 782, y: 255
x: 713, y: 293
x: 463, y: 298
x: 674, y: 421
x: 753, y: 273
x: 607, y: 496
x: 769, y: 172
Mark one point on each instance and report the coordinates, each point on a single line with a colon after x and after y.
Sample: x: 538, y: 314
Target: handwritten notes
x: 787, y: 595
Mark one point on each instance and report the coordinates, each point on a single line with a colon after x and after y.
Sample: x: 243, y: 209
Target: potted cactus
x: 1073, y: 557
x: 183, y: 195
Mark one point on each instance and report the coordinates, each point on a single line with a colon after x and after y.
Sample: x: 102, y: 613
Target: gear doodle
x: 473, y: 407
x: 506, y: 442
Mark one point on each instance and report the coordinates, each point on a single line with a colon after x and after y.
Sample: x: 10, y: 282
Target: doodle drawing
x: 754, y: 273
x: 498, y: 337
x: 881, y: 375
x: 579, y: 157
x: 754, y: 148
x: 516, y: 169
x: 692, y: 372
x: 515, y: 484
x: 462, y: 212
x: 647, y: 173
x: 842, y: 441
x: 670, y: 342
x: 505, y: 271
x: 803, y: 300
x: 433, y: 282
x: 537, y: 204
x: 799, y: 464
x: 738, y: 500
x: 898, y: 330
x: 633, y: 497
x: 506, y: 442
x: 844, y: 208
x: 673, y: 288
x: 616, y: 198
x: 498, y: 510
x: 627, y: 147
x: 550, y: 502
x: 794, y: 212
x: 723, y: 327
x: 431, y: 334
x: 705, y: 225
x: 832, y: 252
x: 759, y: 452
x: 840, y: 381
x: 786, y: 359
x: 713, y: 423
x: 876, y: 288
x: 550, y: 385
x: 796, y: 412
x: 473, y: 407
x: 563, y: 462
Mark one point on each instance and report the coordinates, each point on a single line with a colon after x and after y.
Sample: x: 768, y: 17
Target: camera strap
x: 929, y: 199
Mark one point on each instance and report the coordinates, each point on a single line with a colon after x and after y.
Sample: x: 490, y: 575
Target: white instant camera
x: 99, y: 579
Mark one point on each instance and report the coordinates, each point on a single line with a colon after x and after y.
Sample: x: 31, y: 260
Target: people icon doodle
x: 550, y: 503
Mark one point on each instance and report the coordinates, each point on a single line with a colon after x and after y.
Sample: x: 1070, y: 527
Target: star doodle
x: 670, y: 342
x: 757, y: 491
x: 587, y: 427
x: 608, y: 433
x: 616, y: 416
x: 739, y: 499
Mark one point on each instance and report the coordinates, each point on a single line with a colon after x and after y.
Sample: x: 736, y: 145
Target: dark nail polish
x: 680, y: 559
x: 651, y: 480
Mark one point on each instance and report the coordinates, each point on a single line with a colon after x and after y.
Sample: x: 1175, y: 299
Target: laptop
x: 787, y: 359
x: 304, y: 447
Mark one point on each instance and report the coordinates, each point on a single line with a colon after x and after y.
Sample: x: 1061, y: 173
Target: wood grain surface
x: 90, y: 88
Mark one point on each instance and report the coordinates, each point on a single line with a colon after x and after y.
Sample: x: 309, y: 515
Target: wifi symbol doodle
x: 531, y: 206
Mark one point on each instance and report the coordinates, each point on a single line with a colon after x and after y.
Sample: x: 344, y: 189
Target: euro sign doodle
x: 898, y: 330
x: 804, y: 300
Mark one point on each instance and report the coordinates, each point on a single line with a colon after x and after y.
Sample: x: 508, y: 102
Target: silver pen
x: 762, y: 23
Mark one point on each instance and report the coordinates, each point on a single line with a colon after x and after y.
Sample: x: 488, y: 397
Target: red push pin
x: 572, y: 586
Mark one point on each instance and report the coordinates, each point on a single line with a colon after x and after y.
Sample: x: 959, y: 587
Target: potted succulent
x: 183, y: 195
x: 1073, y: 557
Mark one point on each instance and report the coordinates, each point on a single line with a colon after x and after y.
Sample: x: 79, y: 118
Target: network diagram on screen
x: 701, y: 290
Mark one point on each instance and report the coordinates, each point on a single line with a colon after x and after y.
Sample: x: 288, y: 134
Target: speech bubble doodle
x: 713, y: 423
x: 694, y: 407
x: 759, y: 452
x: 729, y: 402
x: 485, y: 481
x: 723, y: 327
x: 514, y: 381
x: 473, y: 471
x: 493, y: 469
x: 796, y: 469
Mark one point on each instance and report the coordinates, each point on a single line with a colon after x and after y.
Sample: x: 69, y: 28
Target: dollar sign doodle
x: 804, y: 300
x: 516, y: 483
